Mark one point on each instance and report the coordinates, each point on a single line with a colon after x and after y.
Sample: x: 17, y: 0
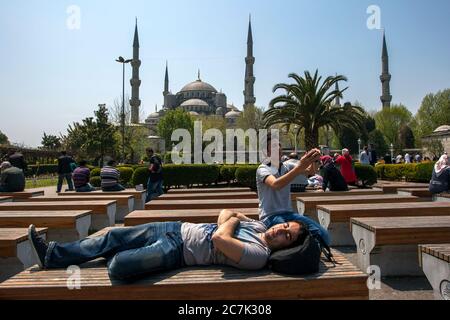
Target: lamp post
x: 122, y: 116
x: 392, y: 152
x: 359, y: 149
x: 295, y: 140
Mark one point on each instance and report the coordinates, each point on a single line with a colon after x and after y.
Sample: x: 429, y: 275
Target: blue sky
x: 51, y: 75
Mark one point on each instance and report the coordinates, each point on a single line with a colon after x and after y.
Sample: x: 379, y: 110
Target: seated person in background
x: 110, y: 176
x: 12, y: 178
x: 332, y: 177
x: 440, y: 180
x: 300, y: 183
x: 235, y: 240
x: 81, y: 176
x: 346, y: 163
x: 17, y: 160
x: 273, y: 179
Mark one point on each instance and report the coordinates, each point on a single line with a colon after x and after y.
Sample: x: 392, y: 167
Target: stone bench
x: 435, y: 262
x: 103, y: 211
x: 443, y: 197
x: 139, y: 196
x: 308, y: 205
x: 15, y: 251
x: 336, y: 218
x: 6, y: 199
x: 393, y: 186
x: 360, y: 192
x: 124, y: 203
x: 343, y: 281
x: 416, y: 192
x: 63, y: 226
x: 205, y: 196
x: 202, y: 204
x: 207, y: 190
x: 192, y: 216
x: 23, y: 194
x: 391, y: 242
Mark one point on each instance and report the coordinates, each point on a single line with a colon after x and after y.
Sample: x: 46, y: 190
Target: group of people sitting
x: 235, y: 239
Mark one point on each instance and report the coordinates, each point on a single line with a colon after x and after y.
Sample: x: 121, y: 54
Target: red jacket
x: 347, y: 171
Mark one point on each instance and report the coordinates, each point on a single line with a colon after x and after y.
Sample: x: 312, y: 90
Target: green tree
x: 376, y: 138
x: 172, y: 120
x: 50, y: 142
x: 406, y: 137
x: 92, y: 139
x: 251, y: 118
x: 3, y: 139
x: 308, y: 103
x: 433, y: 112
x: 389, y: 121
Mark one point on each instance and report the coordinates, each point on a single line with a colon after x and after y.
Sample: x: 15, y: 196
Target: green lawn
x: 40, y: 183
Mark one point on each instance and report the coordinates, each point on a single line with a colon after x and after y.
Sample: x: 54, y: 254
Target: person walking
x: 364, y: 157
x: 64, y: 171
x: 155, y: 180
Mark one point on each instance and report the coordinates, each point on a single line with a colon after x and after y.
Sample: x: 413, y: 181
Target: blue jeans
x: 61, y: 177
x: 313, y: 226
x: 117, y: 187
x: 130, y: 252
x: 154, y: 189
x: 85, y: 188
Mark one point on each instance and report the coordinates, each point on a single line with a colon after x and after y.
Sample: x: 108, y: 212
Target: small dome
x: 442, y: 128
x: 233, y: 114
x: 231, y: 107
x: 193, y: 113
x: 153, y: 115
x: 194, y: 103
x: 198, y: 85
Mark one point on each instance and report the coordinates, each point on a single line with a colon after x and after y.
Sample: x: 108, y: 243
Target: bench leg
x: 339, y: 231
x: 101, y: 221
x: 438, y: 274
x: 121, y: 212
x: 10, y: 267
x: 393, y: 260
x: 139, y: 204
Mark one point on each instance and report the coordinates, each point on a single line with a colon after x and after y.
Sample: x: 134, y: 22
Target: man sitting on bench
x: 235, y: 240
x: 273, y: 179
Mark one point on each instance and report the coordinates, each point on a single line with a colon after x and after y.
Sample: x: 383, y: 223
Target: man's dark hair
x: 111, y: 163
x: 64, y: 153
x: 366, y: 148
x: 149, y: 150
x: 82, y: 163
x: 301, y: 236
x: 293, y: 155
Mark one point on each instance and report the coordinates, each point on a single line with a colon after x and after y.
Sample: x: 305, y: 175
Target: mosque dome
x: 443, y: 128
x: 221, y: 111
x: 198, y: 85
x: 232, y: 114
x: 193, y: 113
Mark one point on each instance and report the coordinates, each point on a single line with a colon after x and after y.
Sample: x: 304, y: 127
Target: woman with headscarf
x: 332, y: 178
x: 440, y: 180
x: 346, y: 163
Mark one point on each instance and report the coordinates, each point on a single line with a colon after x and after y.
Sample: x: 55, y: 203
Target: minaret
x: 385, y: 77
x: 135, y: 82
x: 337, y: 101
x: 249, y: 95
x: 166, y: 81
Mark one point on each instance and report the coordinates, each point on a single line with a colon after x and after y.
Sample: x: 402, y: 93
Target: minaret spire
x: 337, y: 102
x: 166, y: 81
x: 249, y: 96
x: 198, y: 75
x: 135, y: 82
x: 385, y: 77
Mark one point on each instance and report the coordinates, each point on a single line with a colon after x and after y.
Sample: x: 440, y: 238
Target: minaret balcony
x: 250, y: 60
x: 385, y: 77
x: 135, y: 82
x: 136, y: 63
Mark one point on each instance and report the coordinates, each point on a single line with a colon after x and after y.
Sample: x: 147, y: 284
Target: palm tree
x: 308, y: 103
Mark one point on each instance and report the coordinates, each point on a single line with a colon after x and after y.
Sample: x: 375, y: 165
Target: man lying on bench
x: 235, y: 240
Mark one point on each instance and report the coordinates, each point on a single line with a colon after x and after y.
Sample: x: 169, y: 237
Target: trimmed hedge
x: 95, y: 181
x: 413, y: 172
x: 95, y: 172
x: 246, y: 175
x: 227, y: 173
x: 126, y: 173
x: 180, y: 175
x: 366, y: 174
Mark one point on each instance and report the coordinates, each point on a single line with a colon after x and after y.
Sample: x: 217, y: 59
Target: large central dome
x: 198, y: 85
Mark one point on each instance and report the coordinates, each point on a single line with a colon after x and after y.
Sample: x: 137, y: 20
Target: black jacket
x: 440, y: 184
x: 333, y: 179
x: 64, y: 164
x: 18, y: 161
